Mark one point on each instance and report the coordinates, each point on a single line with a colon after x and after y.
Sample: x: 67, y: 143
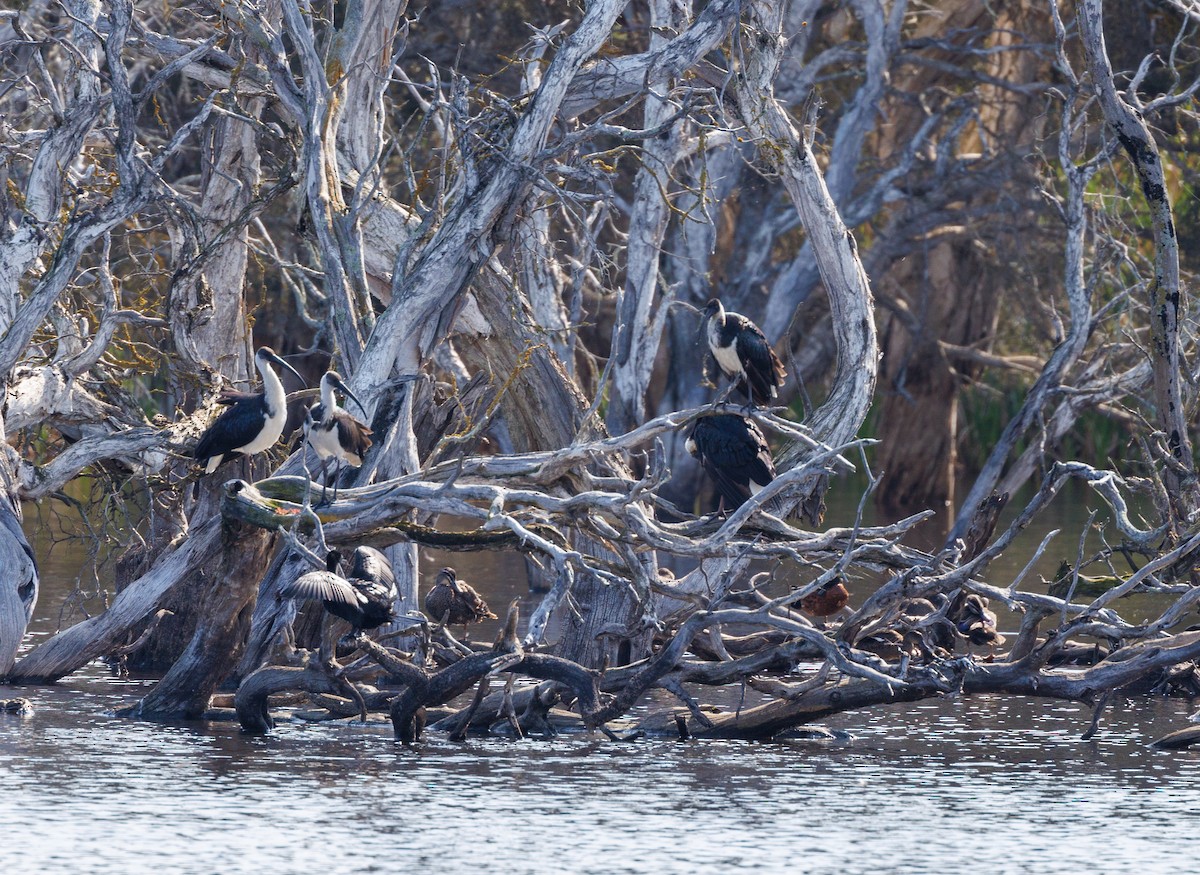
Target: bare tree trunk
x: 1165, y: 295
x: 839, y: 418
x: 639, y: 321
x: 223, y: 622
x: 46, y: 218
x: 18, y: 595
x: 23, y: 240
x: 96, y: 636
x: 211, y: 335
x: 406, y: 335
x: 714, y: 177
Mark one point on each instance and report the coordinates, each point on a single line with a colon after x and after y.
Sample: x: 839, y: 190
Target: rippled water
x: 1003, y: 786
x: 934, y: 787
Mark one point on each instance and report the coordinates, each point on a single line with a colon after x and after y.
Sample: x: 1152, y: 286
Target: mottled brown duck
x: 453, y: 602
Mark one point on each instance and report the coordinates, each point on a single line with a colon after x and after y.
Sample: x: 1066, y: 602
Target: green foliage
x: 988, y: 406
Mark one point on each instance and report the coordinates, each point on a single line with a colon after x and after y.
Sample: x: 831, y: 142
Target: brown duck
x: 978, y: 623
x: 452, y: 602
x: 828, y: 600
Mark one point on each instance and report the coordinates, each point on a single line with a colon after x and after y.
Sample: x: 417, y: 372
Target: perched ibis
x: 333, y: 432
x: 363, y: 602
x: 453, y: 602
x: 734, y: 452
x: 253, y: 422
x: 742, y: 353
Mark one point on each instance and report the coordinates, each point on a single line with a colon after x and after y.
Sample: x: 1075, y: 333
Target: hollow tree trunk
x: 210, y: 333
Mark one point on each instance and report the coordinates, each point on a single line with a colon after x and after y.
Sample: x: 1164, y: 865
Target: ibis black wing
x: 372, y: 565
x: 764, y: 370
x: 233, y: 429
x: 353, y: 435
x: 321, y: 586
x: 735, y: 453
x: 338, y: 595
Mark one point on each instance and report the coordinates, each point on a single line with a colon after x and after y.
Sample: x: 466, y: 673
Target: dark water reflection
x: 943, y: 786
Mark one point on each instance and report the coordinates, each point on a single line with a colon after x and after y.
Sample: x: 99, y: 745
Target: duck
x: 977, y: 623
x: 453, y: 602
x: 827, y: 601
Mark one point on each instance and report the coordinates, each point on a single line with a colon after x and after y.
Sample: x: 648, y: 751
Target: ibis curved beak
x: 279, y: 361
x: 341, y: 386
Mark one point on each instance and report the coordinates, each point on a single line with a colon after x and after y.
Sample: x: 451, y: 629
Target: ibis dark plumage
x: 372, y: 565
x: 735, y: 453
x: 253, y: 422
x: 453, y: 602
x: 364, y: 602
x: 741, y: 351
x: 334, y: 433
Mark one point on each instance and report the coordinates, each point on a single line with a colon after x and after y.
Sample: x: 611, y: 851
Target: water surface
x: 943, y: 786
x: 917, y: 788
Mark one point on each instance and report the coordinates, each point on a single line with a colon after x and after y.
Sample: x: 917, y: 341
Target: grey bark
x: 92, y: 638
x: 19, y: 597
x: 839, y: 418
x: 1165, y: 294
x: 642, y: 307
x: 231, y: 578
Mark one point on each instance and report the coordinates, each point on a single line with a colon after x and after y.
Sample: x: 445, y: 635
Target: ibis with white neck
x: 332, y: 431
x: 254, y: 420
x: 741, y: 351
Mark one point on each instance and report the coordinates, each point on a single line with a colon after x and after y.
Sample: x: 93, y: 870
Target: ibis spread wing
x: 321, y: 586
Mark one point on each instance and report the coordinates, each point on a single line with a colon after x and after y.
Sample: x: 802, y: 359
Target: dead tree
x: 450, y: 247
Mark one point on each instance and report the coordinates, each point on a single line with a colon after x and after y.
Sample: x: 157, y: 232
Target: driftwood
x: 490, y: 270
x: 251, y: 699
x: 917, y: 608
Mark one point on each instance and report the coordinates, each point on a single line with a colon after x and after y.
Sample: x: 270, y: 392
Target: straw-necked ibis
x: 254, y: 420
